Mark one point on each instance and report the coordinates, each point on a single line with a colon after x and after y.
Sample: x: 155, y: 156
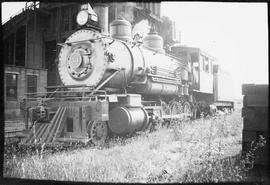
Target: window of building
x: 54, y: 20
x: 153, y: 8
x: 14, y: 48
x: 65, y: 18
x: 74, y: 12
x: 6, y: 51
x: 210, y: 66
x: 47, y: 23
x: 31, y: 83
x: 74, y: 22
x: 11, y: 86
x: 148, y: 6
x: 206, y: 64
x: 156, y: 8
x: 196, y: 66
x: 20, y: 46
x: 9, y: 50
x: 201, y: 62
x: 144, y: 5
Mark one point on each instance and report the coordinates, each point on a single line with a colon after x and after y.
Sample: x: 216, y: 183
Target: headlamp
x: 84, y: 16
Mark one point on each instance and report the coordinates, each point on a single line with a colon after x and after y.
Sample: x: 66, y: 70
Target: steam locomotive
x: 112, y: 84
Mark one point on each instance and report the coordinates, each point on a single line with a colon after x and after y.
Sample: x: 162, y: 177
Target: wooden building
x: 30, y: 43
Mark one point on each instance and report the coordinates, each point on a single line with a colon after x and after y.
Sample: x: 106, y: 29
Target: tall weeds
x: 204, y: 150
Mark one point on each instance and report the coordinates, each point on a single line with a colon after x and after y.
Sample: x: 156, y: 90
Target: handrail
x: 104, y: 82
x: 36, y: 93
x: 84, y: 94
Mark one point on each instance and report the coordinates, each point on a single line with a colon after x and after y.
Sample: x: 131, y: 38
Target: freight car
x: 112, y: 84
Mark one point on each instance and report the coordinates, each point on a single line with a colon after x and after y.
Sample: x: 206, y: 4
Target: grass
x: 205, y: 150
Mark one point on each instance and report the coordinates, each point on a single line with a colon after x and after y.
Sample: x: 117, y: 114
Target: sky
x: 10, y: 8
x: 236, y: 34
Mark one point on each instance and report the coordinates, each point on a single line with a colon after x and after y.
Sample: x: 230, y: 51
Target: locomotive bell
x: 121, y: 29
x: 153, y: 41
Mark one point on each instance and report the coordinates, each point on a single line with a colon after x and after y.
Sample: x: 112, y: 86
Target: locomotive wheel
x: 97, y: 132
x: 165, y: 108
x: 155, y: 123
x: 176, y: 109
x: 187, y: 110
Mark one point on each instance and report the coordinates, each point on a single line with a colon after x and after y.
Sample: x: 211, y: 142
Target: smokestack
x: 125, y: 11
x: 102, y: 12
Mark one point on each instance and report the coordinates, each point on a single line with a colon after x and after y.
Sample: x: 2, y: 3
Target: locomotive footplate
x: 69, y: 123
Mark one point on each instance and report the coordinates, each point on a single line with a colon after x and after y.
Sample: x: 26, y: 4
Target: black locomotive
x: 112, y: 84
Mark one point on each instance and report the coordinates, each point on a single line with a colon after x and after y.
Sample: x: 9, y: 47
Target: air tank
x: 124, y: 120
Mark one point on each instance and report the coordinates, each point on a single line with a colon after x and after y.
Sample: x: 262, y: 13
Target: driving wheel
x: 97, y: 132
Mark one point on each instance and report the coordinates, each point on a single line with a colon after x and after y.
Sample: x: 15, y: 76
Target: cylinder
x: 124, y: 120
x: 103, y: 17
x: 121, y: 29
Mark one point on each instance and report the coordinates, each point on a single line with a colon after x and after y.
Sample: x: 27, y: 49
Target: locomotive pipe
x: 104, y: 82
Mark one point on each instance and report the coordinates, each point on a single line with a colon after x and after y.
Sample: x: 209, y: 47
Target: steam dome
x: 121, y: 29
x: 153, y: 41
